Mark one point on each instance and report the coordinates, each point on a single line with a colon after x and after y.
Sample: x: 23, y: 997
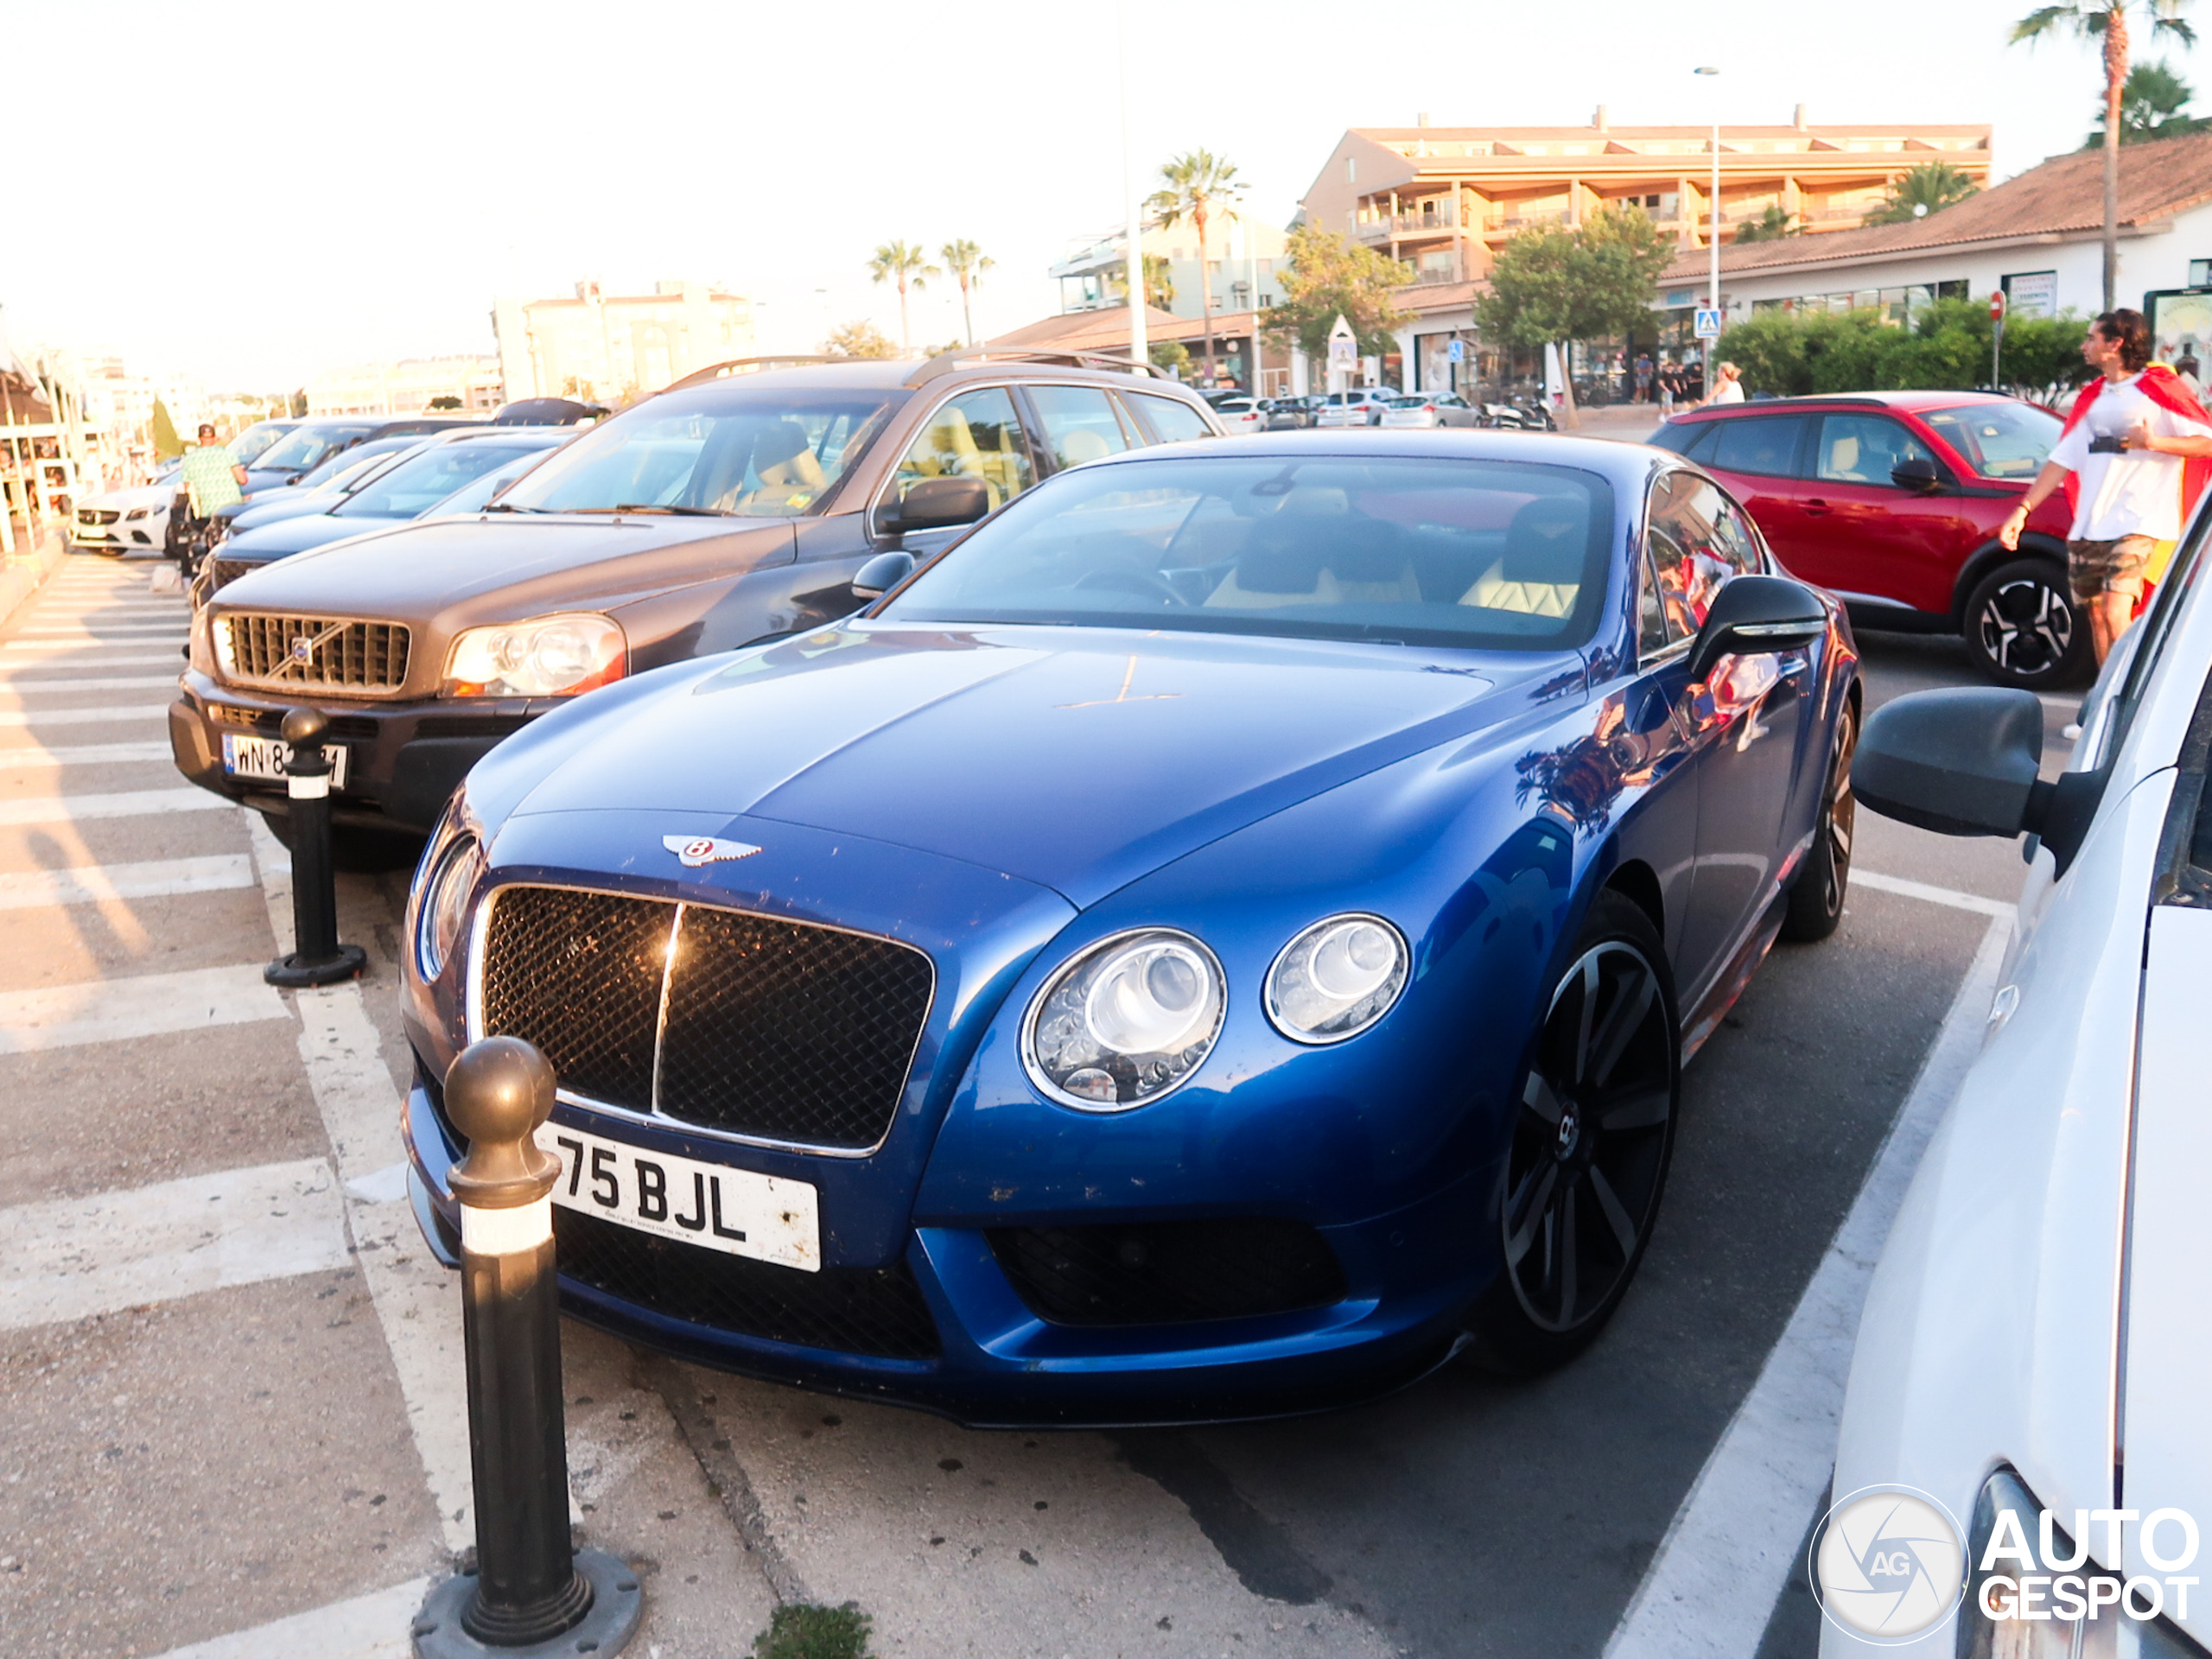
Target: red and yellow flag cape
x: 2164, y: 387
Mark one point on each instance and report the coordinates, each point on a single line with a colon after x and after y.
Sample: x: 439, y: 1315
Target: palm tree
x: 1769, y: 226
x: 1928, y: 188
x: 904, y: 263
x: 2089, y: 20
x: 967, y: 262
x: 2150, y: 106
x: 1198, y: 186
x: 1159, y: 281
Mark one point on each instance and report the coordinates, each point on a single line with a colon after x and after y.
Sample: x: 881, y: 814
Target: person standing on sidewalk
x: 2134, y: 456
x: 1727, y: 384
x: 211, y: 480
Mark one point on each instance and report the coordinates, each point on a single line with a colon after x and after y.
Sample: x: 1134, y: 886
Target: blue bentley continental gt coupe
x: 1218, y: 939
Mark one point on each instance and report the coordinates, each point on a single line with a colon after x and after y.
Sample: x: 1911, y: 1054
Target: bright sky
x: 251, y: 192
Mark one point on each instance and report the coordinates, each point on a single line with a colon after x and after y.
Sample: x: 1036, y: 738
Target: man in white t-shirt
x: 2125, y: 448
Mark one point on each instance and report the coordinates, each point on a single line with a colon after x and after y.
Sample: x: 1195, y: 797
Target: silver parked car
x: 1430, y: 409
x: 1361, y: 406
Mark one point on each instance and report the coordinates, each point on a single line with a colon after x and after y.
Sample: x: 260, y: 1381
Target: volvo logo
x: 303, y: 647
x: 692, y: 851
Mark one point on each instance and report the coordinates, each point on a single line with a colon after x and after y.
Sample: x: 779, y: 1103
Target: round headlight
x: 442, y: 915
x: 1126, y: 1021
x: 1335, y: 979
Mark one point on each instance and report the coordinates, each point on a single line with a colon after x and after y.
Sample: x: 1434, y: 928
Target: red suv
x: 1892, y: 500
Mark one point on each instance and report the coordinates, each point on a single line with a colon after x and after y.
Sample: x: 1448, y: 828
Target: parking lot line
x: 374, y: 1626
x: 1712, y: 1584
x: 126, y: 804
x: 140, y: 658
x: 83, y: 754
x: 144, y: 1005
x: 1905, y: 888
x: 69, y: 1258
x: 89, y: 716
x: 91, y: 884
x: 38, y: 685
x: 100, y: 628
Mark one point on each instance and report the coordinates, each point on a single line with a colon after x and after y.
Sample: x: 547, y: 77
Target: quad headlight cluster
x: 1128, y: 1020
x: 441, y: 901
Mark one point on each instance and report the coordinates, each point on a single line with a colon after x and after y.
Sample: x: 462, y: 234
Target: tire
x: 1594, y: 1131
x: 2022, y: 628
x: 1819, y: 889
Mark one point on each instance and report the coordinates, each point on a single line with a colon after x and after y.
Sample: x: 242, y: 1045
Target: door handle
x: 1815, y: 507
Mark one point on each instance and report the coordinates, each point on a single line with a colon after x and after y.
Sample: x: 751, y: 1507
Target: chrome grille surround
x: 287, y: 652
x: 622, y: 1049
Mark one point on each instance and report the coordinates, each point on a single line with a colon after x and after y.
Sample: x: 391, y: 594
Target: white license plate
x: 263, y: 759
x: 737, y: 1211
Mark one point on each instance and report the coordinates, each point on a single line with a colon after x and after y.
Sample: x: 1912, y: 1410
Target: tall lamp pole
x: 1134, y: 269
x: 1713, y: 234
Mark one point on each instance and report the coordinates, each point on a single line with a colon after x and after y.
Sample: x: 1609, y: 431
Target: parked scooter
x: 1517, y: 417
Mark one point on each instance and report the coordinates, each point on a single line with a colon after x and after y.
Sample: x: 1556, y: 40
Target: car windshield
x: 1408, y: 403
x: 418, y: 482
x: 476, y: 494
x: 764, y: 452
x: 251, y: 444
x: 346, y: 468
x: 1502, y: 554
x: 303, y: 446
x: 1998, y: 440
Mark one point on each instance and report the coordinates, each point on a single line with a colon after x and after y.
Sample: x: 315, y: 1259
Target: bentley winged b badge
x: 692, y: 851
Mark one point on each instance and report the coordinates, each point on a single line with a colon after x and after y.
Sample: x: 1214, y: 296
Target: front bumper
x: 404, y: 758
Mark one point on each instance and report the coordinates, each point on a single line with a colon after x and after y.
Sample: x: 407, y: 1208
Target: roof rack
x: 744, y: 366
x: 946, y: 362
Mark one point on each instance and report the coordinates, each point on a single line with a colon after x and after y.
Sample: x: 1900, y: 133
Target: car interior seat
x: 1540, y: 573
x: 1315, y: 549
x: 783, y: 462
x: 947, y: 448
x: 1082, y: 444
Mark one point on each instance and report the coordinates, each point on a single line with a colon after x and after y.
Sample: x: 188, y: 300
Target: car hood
x: 1073, y: 758
x: 143, y: 495
x: 435, y: 568
x: 282, y: 537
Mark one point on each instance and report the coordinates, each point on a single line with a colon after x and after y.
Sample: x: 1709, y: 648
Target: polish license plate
x: 261, y: 758
x: 737, y: 1211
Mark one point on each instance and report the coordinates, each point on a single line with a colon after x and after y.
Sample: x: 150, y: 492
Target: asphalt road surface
x: 232, y: 1377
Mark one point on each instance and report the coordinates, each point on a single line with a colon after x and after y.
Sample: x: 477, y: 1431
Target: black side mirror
x: 1752, y: 614
x: 934, y: 504
x: 882, y: 573
x: 1916, y: 474
x: 1964, y: 762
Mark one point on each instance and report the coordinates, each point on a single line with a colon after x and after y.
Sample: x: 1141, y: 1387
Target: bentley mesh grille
x: 779, y: 1031
x: 269, y: 648
x: 1169, y: 1272
x: 221, y: 573
x: 849, y: 1310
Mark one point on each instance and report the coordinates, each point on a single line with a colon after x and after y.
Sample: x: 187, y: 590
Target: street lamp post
x: 1132, y: 268
x: 1713, y: 234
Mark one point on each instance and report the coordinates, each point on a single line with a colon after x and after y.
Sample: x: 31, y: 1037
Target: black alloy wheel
x: 1591, y: 1138
x: 1823, y: 881
x: 2023, y: 628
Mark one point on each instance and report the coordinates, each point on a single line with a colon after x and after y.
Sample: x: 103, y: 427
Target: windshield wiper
x: 685, y: 512
x: 510, y: 507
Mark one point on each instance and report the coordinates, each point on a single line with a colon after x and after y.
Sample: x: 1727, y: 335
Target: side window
x: 1764, y: 444
x: 976, y: 434
x: 1172, y: 420
x: 1079, y: 423
x: 1695, y: 541
x: 1862, y: 449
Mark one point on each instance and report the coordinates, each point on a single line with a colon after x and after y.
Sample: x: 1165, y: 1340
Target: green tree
x: 1159, y: 281
x: 1553, y: 284
x: 860, y: 338
x: 2150, y: 106
x: 2107, y: 23
x: 1171, y: 355
x: 1200, y: 187
x: 967, y: 262
x: 1325, y: 277
x: 1769, y: 226
x: 1928, y: 188
x: 1796, y: 353
x: 906, y: 265
x: 167, y: 445
x: 447, y: 401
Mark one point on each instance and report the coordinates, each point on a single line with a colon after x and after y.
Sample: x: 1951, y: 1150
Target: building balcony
x: 1386, y: 227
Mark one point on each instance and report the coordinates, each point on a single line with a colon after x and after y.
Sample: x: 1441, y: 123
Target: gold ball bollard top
x: 498, y: 1091
x: 304, y: 725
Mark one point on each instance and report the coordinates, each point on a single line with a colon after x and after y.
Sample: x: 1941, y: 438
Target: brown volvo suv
x: 737, y: 505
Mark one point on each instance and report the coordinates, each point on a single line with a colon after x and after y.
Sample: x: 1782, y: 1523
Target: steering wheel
x: 1127, y: 579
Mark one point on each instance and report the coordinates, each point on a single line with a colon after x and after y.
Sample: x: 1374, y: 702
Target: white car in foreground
x: 124, y: 521
x: 2035, y: 1349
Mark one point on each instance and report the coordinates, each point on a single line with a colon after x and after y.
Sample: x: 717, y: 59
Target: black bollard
x: 532, y: 1592
x: 317, y: 957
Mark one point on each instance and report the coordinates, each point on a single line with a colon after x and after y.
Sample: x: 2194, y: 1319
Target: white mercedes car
x: 2035, y: 1350
x: 122, y: 521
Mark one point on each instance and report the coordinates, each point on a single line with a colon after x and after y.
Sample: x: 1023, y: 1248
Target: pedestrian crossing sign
x: 1708, y: 322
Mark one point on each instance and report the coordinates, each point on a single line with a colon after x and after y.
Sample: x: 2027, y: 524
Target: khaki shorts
x: 2097, y: 568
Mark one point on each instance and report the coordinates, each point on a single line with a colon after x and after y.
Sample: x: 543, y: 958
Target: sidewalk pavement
x: 23, y: 571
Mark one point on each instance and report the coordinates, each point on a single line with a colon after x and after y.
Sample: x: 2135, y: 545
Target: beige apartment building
x: 408, y: 386
x: 1444, y: 199
x: 611, y: 348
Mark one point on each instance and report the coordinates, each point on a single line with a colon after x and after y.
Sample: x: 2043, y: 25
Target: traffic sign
x: 1708, y: 322
x: 1456, y: 352
x: 1997, y: 306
